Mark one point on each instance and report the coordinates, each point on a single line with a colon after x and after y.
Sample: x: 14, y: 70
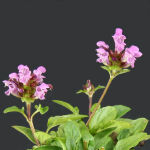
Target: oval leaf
x: 58, y: 120
x: 131, y: 141
x: 26, y: 131
x: 102, y: 117
x: 66, y: 105
x: 121, y: 110
x: 13, y: 109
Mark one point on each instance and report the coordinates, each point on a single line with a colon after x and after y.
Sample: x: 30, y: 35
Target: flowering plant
x: 106, y: 129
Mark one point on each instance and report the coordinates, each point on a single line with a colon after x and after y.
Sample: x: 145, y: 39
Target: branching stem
x: 100, y: 100
x: 30, y: 121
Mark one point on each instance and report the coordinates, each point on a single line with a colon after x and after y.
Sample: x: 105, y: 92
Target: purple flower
x: 102, y: 53
x: 24, y: 74
x: 103, y: 56
x: 27, y: 85
x: 38, y: 74
x: 102, y: 44
x: 130, y: 55
x: 12, y: 88
x: 41, y: 90
x: 14, y: 76
x: 121, y: 56
x: 119, y: 40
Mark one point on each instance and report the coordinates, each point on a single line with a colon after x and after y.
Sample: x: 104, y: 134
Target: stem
x: 90, y: 105
x: 31, y: 123
x: 85, y: 145
x: 28, y: 110
x: 100, y: 100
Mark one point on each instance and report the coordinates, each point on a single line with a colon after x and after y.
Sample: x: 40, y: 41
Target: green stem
x: 31, y: 123
x: 85, y: 145
x: 100, y: 100
x: 90, y: 105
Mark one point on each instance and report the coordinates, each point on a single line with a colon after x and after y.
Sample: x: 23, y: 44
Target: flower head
x: 121, y: 57
x: 27, y: 85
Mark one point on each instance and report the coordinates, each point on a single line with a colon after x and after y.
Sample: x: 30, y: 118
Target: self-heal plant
x: 106, y: 129
x: 28, y: 87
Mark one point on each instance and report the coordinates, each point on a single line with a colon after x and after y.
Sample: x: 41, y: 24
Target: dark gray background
x: 62, y: 36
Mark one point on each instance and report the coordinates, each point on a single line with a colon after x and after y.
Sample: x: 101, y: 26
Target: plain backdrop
x: 61, y: 35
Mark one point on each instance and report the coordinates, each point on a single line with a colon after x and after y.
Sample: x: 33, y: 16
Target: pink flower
x: 24, y: 74
x: 102, y: 53
x: 102, y: 44
x: 103, y: 56
x: 120, y: 56
x: 38, y: 74
x: 14, y: 76
x: 12, y: 88
x: 41, y: 90
x: 27, y: 85
x: 130, y: 55
x: 119, y: 40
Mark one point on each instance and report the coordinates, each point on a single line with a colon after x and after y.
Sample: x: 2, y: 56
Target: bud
x: 89, y: 89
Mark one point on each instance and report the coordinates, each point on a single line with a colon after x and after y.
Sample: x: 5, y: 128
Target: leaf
x: 58, y: 120
x: 86, y: 136
x: 118, y: 124
x: 123, y: 134
x: 121, y: 110
x: 43, y: 137
x: 46, y: 147
x: 131, y: 141
x: 67, y: 105
x: 124, y: 71
x: 101, y: 139
x: 93, y: 107
x: 14, y: 109
x: 138, y: 125
x: 25, y: 131
x: 102, y: 117
x: 72, y: 134
x: 99, y: 87
x: 80, y: 91
x: 41, y: 109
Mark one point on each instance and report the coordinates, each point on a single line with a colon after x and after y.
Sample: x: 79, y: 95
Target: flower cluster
x: 27, y: 85
x: 122, y: 57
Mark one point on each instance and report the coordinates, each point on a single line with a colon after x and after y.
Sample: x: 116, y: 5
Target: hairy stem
x: 100, y: 100
x: 31, y: 123
x: 90, y: 105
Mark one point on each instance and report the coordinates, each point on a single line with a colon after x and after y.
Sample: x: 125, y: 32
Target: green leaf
x: 67, y: 105
x: 102, y: 138
x: 86, y: 136
x: 14, y: 109
x: 25, y: 131
x: 58, y: 120
x: 138, y: 125
x: 114, y: 70
x: 121, y: 110
x: 124, y: 71
x: 46, y: 147
x: 118, y: 124
x: 123, y: 134
x: 43, y: 137
x: 41, y: 109
x: 106, y: 68
x: 99, y: 87
x: 72, y: 134
x: 80, y: 91
x: 93, y: 107
x: 131, y: 141
x: 102, y: 117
